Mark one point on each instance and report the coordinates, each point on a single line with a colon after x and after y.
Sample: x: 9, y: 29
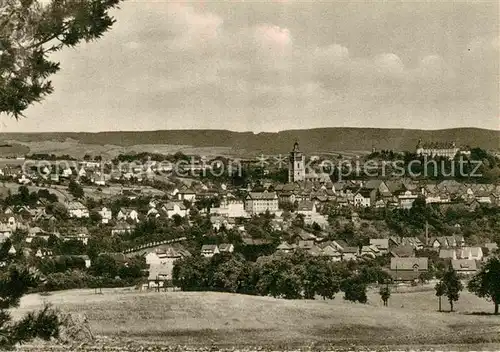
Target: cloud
x: 175, y: 65
x: 191, y: 29
x: 273, y: 38
x: 389, y: 63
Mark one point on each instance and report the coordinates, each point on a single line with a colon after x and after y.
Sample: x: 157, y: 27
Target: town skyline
x: 275, y: 66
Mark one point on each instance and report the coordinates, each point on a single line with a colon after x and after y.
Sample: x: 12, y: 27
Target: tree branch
x: 46, y: 40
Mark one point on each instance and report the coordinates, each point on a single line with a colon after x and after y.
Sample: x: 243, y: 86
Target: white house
x: 226, y: 248
x: 106, y: 215
x: 42, y: 253
x: 209, y: 250
x: 12, y: 250
x: 153, y: 212
x: 307, y: 208
x: 186, y: 194
x: 99, y: 180
x: 161, y: 264
x: 126, y: 213
x: 317, y: 218
x: 66, y: 172
x: 85, y: 258
x: 231, y: 209
x: 175, y: 208
x: 23, y: 180
x: 362, y: 198
x: 406, y: 199
x: 77, y: 210
x: 382, y: 244
x: 5, y: 231
x: 11, y: 223
x: 122, y: 228
x: 472, y: 253
x: 464, y: 266
x: 79, y: 234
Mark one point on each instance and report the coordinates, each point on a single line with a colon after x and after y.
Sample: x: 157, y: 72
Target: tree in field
x: 354, y: 289
x: 385, y: 293
x: 31, y: 30
x: 105, y: 266
x: 440, y: 291
x: 227, y: 276
x: 449, y: 286
x: 319, y: 278
x: 486, y: 283
x: 453, y: 286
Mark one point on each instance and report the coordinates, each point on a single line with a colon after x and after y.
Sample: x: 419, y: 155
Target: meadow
x: 223, y: 319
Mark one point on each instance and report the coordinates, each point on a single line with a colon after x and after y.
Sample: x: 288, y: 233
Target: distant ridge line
x: 252, y: 132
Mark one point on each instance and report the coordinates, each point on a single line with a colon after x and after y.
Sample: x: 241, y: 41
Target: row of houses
x: 411, y: 268
x: 337, y: 250
x: 373, y: 193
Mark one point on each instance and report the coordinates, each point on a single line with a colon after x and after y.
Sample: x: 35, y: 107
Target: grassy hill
x: 206, y: 318
x: 311, y: 140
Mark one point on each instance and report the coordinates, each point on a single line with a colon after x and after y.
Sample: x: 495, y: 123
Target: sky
x: 276, y: 65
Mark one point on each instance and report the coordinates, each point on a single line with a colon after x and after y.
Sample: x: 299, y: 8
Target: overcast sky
x: 275, y: 65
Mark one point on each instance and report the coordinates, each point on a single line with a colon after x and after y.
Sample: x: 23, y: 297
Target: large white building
x: 260, y: 202
x: 437, y: 149
x: 230, y: 209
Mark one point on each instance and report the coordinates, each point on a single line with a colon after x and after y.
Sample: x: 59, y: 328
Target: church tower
x: 296, y: 165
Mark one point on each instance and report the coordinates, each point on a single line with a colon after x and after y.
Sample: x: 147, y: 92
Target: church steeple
x: 296, y: 165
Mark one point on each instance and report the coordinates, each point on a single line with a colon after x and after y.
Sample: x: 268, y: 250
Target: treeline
x: 49, y: 157
x: 70, y: 272
x: 145, y: 156
x: 289, y: 276
x: 24, y: 197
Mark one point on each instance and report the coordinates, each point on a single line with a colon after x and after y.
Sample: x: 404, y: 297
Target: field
x: 205, y: 319
x: 78, y: 149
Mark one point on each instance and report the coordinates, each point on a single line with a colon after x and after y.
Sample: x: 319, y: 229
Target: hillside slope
x: 311, y: 140
x: 201, y: 318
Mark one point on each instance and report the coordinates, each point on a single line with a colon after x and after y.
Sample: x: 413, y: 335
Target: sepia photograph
x: 249, y: 175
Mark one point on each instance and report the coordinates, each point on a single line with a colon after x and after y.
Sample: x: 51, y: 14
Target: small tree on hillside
x: 385, y: 293
x: 450, y: 286
x: 486, y: 283
x: 75, y: 189
x: 440, y: 291
x: 453, y: 286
